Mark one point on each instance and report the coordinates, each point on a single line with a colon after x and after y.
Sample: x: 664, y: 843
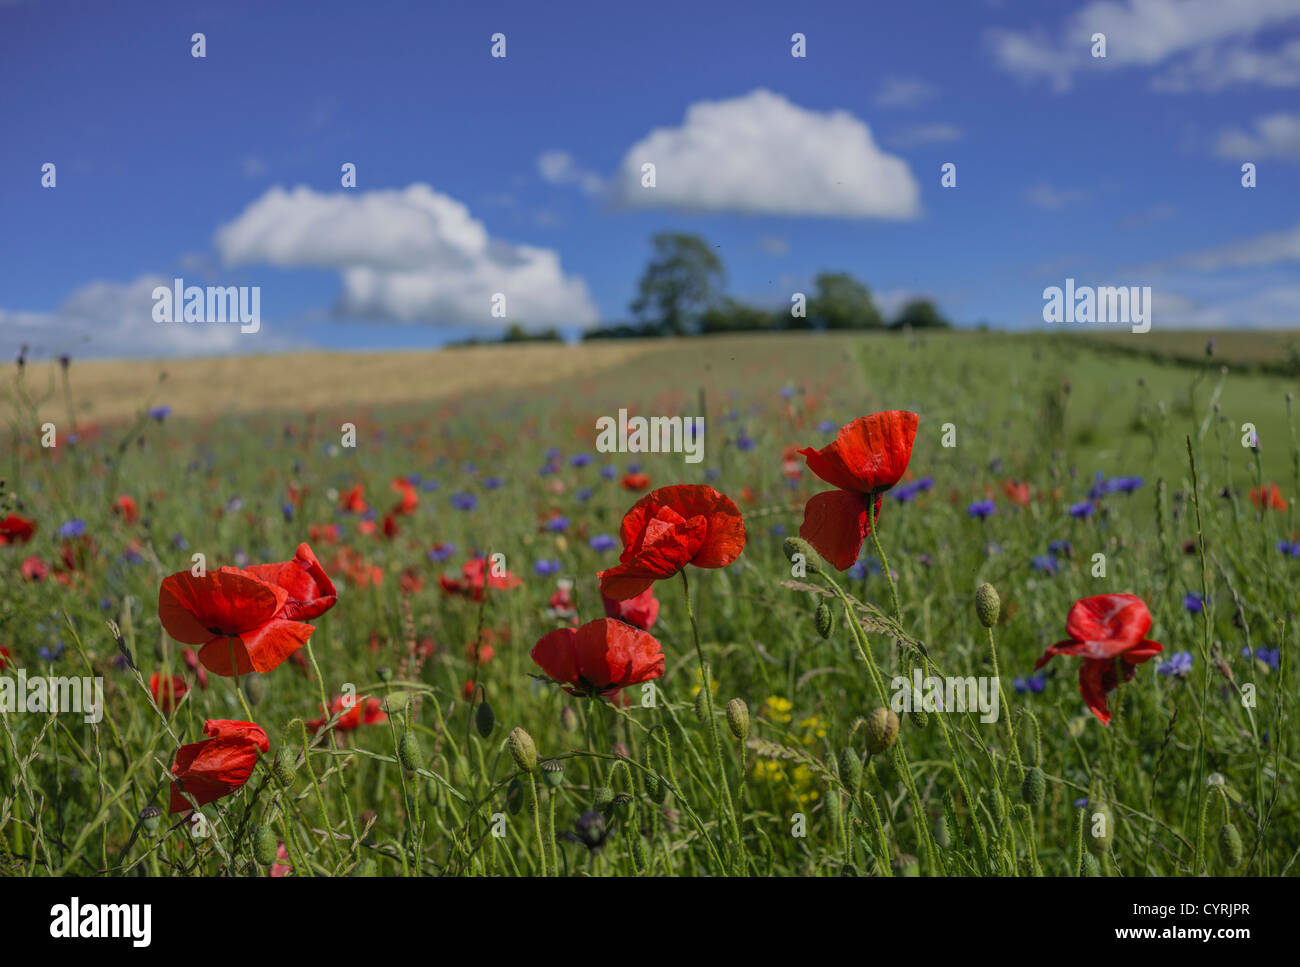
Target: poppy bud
x: 1034, y: 786
x: 385, y: 674
x: 150, y: 817
x: 738, y: 718
x: 283, y: 767
x: 882, y: 730
x: 919, y: 717
x: 834, y: 806
x: 1230, y: 849
x: 604, y: 799
x: 701, y: 706
x: 987, y: 604
x: 1103, y: 817
x: 553, y: 772
x: 797, y: 545
x: 514, y: 796
x: 254, y: 688
x: 1090, y: 866
x: 941, y: 834
x: 568, y: 719
x: 522, y: 749
x: 408, y: 751
x: 822, y: 619
x: 655, y: 788
x: 367, y: 867
x: 265, y: 845
x: 851, y: 769
x: 484, y: 719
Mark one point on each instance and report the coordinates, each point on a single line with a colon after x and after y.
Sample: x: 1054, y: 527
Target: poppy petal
x: 835, y: 522
x: 225, y: 601
x: 869, y: 455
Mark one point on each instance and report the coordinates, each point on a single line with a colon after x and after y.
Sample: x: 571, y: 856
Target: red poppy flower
x: 126, y: 508
x: 192, y: 662
x: 259, y: 612
x: 167, y: 694
x: 34, y: 569
x: 1108, y: 632
x: 281, y: 866
x: 636, y: 481
x: 1268, y: 496
x: 868, y: 457
x: 16, y: 530
x: 410, y: 498
x: 669, y: 528
x: 217, y: 766
x: 362, y: 711
x: 601, y: 657
x: 6, y: 656
x: 1017, y: 492
x: 474, y: 573
x: 639, y: 611
x: 353, y: 501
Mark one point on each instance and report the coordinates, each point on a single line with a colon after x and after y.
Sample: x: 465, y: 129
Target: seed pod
x: 622, y: 806
x: 1034, y: 786
x: 987, y: 604
x: 1090, y: 866
x: 881, y: 730
x: 701, y: 706
x: 823, y: 619
x: 568, y: 719
x: 522, y: 749
x: 919, y: 717
x: 941, y: 834
x: 408, y: 751
x: 652, y: 787
x: 150, y: 818
x: 553, y: 772
x: 265, y: 845
x: 1230, y: 848
x: 851, y: 769
x: 834, y: 806
x: 604, y: 798
x: 484, y: 719
x: 738, y: 718
x: 797, y: 545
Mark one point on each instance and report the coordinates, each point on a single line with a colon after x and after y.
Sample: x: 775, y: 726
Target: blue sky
x: 520, y: 174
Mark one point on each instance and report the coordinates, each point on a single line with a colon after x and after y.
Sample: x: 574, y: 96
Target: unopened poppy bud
x: 1230, y: 849
x: 284, y: 767
x: 568, y: 719
x: 254, y: 688
x: 522, y: 749
x: 881, y: 730
x: 1034, y: 786
x: 514, y: 796
x: 702, y: 707
x: 408, y: 751
x: 797, y: 545
x: 1090, y: 866
x: 919, y: 717
x: 604, y: 798
x: 553, y: 772
x: 654, y: 788
x: 822, y: 619
x: 484, y: 719
x: 987, y: 604
x: 851, y: 769
x: 385, y: 674
x: 738, y: 718
x: 265, y: 845
x: 1101, y: 829
x: 941, y: 834
x: 150, y: 817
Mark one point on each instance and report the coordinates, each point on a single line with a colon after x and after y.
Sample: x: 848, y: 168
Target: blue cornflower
x: 557, y: 525
x: 73, y: 528
x: 1044, y: 563
x: 492, y: 483
x: 442, y: 552
x: 788, y: 392
x: 1061, y: 547
x: 160, y: 413
x: 179, y: 542
x: 583, y: 495
x: 545, y: 568
x: 50, y: 654
x: 1034, y: 683
x: 580, y: 459
x: 1081, y: 510
x: 1193, y: 602
x: 981, y: 509
x: 744, y: 442
x: 1179, y: 664
x: 609, y: 471
x: 429, y: 485
x: 777, y: 530
x: 287, y: 509
x: 602, y: 542
x: 464, y: 500
x: 1125, y: 485
x: 826, y: 426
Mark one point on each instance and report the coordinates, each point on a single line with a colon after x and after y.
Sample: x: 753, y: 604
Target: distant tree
x: 842, y: 302
x: 681, y: 281
x: 731, y: 315
x: 624, y: 330
x: 517, y: 333
x: 920, y: 314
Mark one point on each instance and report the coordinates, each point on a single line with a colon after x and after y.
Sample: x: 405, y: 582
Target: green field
x: 1187, y: 753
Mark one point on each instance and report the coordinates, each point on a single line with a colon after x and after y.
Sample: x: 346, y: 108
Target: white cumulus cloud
x: 759, y: 153
x: 412, y: 255
x: 1273, y: 136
